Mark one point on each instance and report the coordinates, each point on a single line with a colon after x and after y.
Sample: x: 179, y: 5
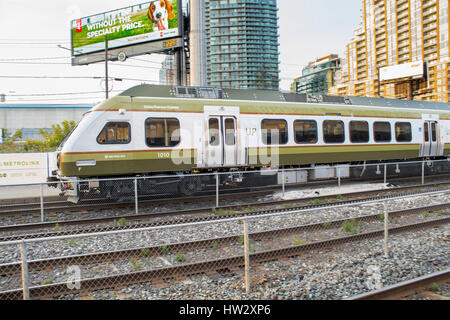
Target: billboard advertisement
x: 141, y: 23
x: 22, y: 168
x: 412, y: 69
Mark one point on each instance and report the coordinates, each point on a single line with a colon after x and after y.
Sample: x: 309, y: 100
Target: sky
x: 33, y: 33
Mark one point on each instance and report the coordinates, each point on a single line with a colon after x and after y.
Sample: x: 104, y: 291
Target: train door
x: 222, y: 141
x: 222, y: 145
x: 431, y: 139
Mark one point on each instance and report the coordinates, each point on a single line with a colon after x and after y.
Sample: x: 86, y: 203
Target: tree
x: 51, y: 140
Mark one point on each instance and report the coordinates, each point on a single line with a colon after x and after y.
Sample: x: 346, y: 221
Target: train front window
x: 115, y: 133
x: 162, y: 132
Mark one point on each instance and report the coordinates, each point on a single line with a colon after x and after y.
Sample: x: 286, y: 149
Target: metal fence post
x: 385, y: 173
x: 246, y: 257
x: 338, y: 169
x: 24, y: 262
x: 386, y: 229
x: 217, y: 189
x: 423, y: 172
x: 283, y: 178
x: 42, y: 202
x: 136, y: 196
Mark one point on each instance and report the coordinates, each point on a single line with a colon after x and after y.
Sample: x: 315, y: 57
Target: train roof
x: 160, y: 91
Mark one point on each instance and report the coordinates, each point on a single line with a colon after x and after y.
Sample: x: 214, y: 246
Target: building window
x: 333, y: 131
x: 359, y: 131
x: 305, y: 131
x: 162, y: 132
x: 274, y: 132
x: 403, y: 132
x: 115, y: 133
x: 382, y: 131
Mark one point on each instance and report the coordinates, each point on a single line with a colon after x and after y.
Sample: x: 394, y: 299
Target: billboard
x: 141, y: 23
x: 22, y: 168
x: 412, y: 69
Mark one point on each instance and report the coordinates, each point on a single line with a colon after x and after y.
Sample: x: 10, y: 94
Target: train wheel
x: 189, y: 186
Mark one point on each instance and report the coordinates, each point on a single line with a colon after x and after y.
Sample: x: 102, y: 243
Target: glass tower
x: 318, y: 76
x: 242, y: 44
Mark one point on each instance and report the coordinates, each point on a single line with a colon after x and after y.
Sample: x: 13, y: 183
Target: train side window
x: 359, y: 131
x: 274, y: 131
x: 333, y: 131
x: 403, y: 132
x: 426, y: 132
x: 433, y: 132
x: 162, y: 132
x: 115, y: 133
x: 230, y: 132
x: 214, y: 132
x: 382, y: 131
x: 305, y: 131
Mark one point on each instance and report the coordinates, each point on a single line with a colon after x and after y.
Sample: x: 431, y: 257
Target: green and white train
x: 183, y: 131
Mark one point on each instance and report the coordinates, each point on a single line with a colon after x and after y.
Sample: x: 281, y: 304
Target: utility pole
x: 106, y: 67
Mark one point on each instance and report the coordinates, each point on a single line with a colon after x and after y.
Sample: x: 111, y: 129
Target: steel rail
x: 405, y: 288
x: 209, y: 217
x: 207, y: 243
x: 124, y: 279
x: 97, y: 204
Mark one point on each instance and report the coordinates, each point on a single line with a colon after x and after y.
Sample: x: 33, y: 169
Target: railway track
x: 235, y: 261
x: 54, y: 204
x: 406, y: 288
x: 62, y: 228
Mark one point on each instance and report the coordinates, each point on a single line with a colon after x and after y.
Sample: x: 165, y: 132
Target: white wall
x: 22, y: 168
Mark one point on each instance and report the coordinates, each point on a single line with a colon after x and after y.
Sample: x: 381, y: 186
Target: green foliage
x: 327, y: 224
x: 298, y: 242
x: 350, y: 226
x: 11, y: 144
x: 136, y: 264
x: 145, y: 252
x: 180, y: 257
x: 435, y: 287
x: 51, y: 140
x: 165, y: 250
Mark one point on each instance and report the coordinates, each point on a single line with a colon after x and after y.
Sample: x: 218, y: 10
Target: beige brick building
x: 394, y: 32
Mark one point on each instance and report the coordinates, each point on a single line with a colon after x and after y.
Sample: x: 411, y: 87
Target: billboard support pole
x: 106, y: 67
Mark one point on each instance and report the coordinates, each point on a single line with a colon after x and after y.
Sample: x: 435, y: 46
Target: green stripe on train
x: 141, y: 162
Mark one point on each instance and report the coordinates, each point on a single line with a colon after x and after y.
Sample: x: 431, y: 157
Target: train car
x: 175, y: 132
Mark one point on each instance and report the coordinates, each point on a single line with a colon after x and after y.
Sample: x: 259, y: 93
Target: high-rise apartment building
x: 317, y: 76
x: 395, y: 32
x: 242, y: 44
x: 167, y: 71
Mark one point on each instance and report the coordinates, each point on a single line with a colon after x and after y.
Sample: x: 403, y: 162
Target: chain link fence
x: 67, y: 267
x: 123, y: 197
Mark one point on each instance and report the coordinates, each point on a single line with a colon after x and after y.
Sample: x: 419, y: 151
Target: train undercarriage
x: 190, y: 183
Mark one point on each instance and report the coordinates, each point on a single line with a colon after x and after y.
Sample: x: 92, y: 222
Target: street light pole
x: 106, y: 67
